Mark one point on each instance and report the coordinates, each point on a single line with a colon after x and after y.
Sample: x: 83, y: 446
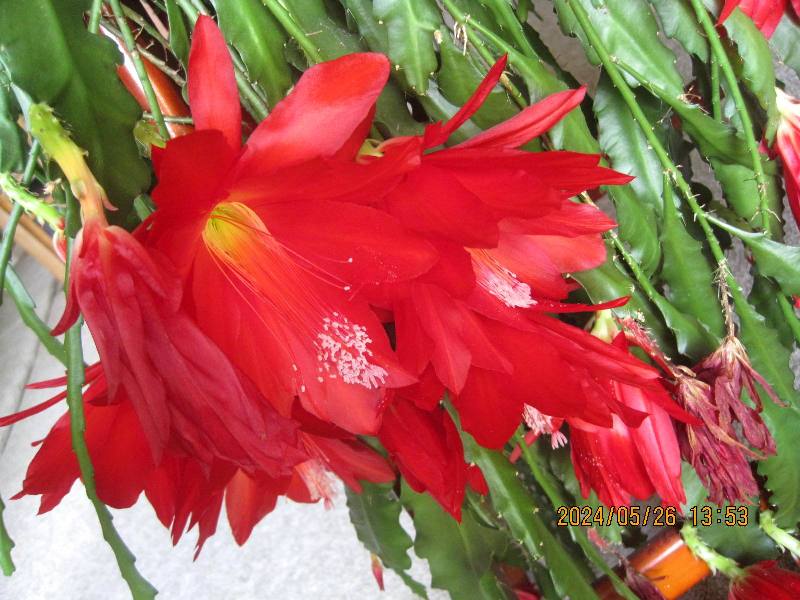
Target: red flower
x: 787, y: 143
x: 185, y: 392
x: 506, y: 232
x: 625, y: 461
x: 766, y: 14
x: 272, y: 268
x: 765, y: 580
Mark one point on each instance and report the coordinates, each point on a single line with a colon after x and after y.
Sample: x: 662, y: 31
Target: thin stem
x: 16, y: 214
x: 641, y: 277
x: 251, y: 100
x: 294, y: 30
x: 6, y: 545
x: 168, y: 119
x: 139, y: 587
x: 741, y: 108
x: 94, y: 16
x: 550, y: 486
x: 7, y: 243
x: 609, y: 64
x: 146, y: 25
x: 503, y: 9
x: 26, y: 308
x: 157, y: 62
x: 783, y: 538
x: 162, y: 66
x: 716, y: 103
x: 147, y: 85
x: 715, y: 561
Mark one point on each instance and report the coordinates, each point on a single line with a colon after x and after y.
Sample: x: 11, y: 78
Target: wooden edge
x: 34, y: 240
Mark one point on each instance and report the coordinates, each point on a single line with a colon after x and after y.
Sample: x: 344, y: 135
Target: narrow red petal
x: 213, y: 95
x: 530, y: 123
x: 438, y: 133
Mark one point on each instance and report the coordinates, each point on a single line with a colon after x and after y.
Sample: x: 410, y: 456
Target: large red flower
x: 476, y: 324
x: 187, y: 395
x: 272, y: 269
x: 506, y: 233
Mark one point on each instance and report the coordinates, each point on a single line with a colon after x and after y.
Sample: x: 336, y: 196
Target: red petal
x: 248, y: 499
x: 528, y: 124
x: 788, y: 143
x: 361, y: 245
x: 438, y: 133
x: 433, y: 201
x: 427, y: 394
x: 487, y: 410
x: 119, y: 453
x: 319, y: 116
x: 192, y: 172
x: 353, y: 461
x: 569, y: 220
x: 440, y: 320
x: 428, y: 450
x: 213, y: 95
x: 476, y: 480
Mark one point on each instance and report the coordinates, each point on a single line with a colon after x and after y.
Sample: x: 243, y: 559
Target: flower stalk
x: 147, y: 86
x: 721, y: 59
x: 16, y: 214
x: 716, y: 562
x: 139, y: 587
x: 783, y: 538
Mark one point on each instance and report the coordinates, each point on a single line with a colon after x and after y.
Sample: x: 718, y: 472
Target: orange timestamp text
x: 624, y: 516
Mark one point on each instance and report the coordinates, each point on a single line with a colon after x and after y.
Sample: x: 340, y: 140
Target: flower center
x: 290, y: 300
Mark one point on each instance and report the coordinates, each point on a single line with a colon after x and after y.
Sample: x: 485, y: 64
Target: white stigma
x: 344, y: 346
x: 541, y: 424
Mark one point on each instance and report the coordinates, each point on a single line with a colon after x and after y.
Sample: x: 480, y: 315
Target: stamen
x: 253, y: 260
x: 541, y: 424
x: 344, y: 345
x: 499, y: 281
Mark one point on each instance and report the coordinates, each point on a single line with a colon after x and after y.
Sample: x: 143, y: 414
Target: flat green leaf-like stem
x: 6, y: 545
x: 375, y: 515
x: 518, y: 509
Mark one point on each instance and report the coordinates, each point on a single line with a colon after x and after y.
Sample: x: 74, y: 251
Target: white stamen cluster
x: 344, y: 346
x: 503, y: 284
x: 542, y: 424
